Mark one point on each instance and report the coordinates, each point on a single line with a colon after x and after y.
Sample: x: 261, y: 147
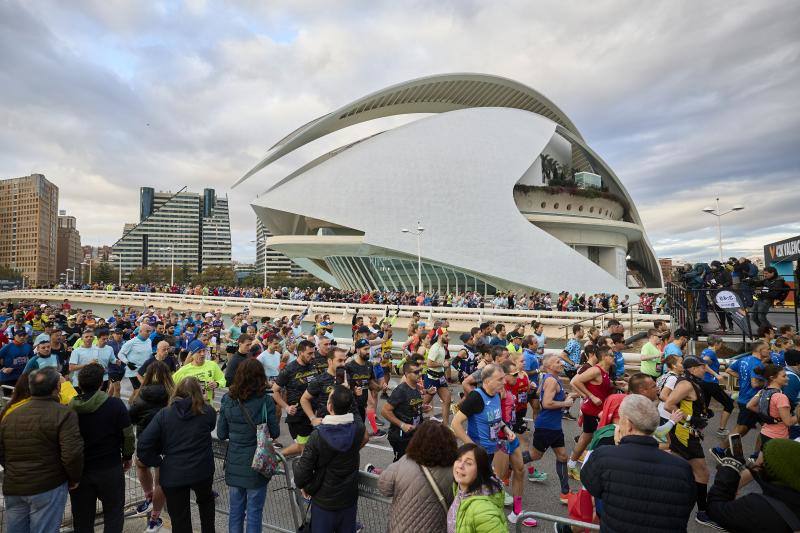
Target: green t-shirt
x: 649, y: 367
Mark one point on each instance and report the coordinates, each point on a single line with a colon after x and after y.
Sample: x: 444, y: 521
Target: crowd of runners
x: 469, y: 428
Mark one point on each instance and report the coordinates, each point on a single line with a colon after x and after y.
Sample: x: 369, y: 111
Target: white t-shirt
x: 669, y: 383
x: 271, y: 362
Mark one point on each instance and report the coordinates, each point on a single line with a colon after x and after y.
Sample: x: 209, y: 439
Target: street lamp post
x: 418, y: 233
x: 717, y: 213
x: 90, y: 270
x: 264, y: 242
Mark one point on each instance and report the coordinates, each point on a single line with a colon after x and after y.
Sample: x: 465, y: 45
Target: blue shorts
x: 431, y: 381
x: 508, y: 447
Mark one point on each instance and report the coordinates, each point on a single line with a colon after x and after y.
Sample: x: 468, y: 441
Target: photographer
x: 719, y: 279
x: 747, y: 272
x: 768, y: 290
x: 685, y: 439
x: 696, y: 280
x: 776, y: 508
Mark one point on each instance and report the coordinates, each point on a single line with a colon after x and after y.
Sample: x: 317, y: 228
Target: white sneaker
x: 528, y: 522
x: 509, y: 499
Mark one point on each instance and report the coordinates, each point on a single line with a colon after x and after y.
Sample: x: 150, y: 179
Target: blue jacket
x: 233, y: 426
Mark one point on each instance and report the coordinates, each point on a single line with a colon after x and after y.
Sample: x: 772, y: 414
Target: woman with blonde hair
x: 178, y: 441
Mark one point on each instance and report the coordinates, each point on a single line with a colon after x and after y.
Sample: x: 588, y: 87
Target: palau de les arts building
x: 508, y: 192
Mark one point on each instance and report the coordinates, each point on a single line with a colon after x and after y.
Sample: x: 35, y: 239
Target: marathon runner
x: 404, y: 410
x: 314, y: 400
x: 289, y: 387
x: 361, y: 378
x: 435, y: 380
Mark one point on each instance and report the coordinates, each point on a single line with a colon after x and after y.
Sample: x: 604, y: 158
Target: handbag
x: 435, y: 488
x: 580, y: 506
x: 265, y: 458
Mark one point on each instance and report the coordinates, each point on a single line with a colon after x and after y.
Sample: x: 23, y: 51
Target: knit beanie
x: 782, y: 462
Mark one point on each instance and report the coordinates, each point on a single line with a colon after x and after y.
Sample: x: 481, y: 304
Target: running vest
x: 694, y: 410
x: 764, y: 400
x: 549, y: 418
x: 483, y: 427
x: 601, y: 390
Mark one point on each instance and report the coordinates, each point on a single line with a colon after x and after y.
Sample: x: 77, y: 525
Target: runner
x: 314, y: 400
x: 711, y: 386
x: 289, y: 387
x: 548, y: 431
x: 434, y: 379
x: 594, y: 385
x: 687, y: 435
x: 361, y: 378
x: 404, y: 410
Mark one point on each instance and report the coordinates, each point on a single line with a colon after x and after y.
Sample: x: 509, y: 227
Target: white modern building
x: 275, y: 262
x: 191, y: 229
x: 508, y: 192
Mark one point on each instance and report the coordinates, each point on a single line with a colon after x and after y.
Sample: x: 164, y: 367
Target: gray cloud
x: 686, y: 100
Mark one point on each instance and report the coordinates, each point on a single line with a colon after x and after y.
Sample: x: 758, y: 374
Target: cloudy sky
x: 687, y: 101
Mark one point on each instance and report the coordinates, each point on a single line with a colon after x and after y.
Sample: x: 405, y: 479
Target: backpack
x: 662, y: 380
x: 764, y: 400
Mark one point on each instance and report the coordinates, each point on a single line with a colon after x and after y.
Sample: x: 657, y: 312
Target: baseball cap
x: 209, y: 315
x: 361, y: 343
x: 41, y: 338
x: 691, y: 362
x: 196, y: 346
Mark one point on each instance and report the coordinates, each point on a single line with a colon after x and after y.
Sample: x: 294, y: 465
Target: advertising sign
x: 785, y: 250
x: 728, y: 300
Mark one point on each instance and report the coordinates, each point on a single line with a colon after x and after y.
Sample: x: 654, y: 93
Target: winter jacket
x: 751, y: 512
x: 642, y: 487
x: 332, y: 455
x: 772, y: 289
x: 179, y: 442
x: 481, y: 513
x: 233, y: 426
x: 414, y: 504
x: 40, y: 448
x: 149, y: 400
x: 106, y: 430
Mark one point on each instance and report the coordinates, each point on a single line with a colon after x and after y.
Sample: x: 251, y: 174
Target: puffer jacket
x: 179, y: 442
x: 149, y: 401
x: 414, y: 504
x: 233, y: 426
x: 332, y: 455
x: 481, y: 513
x: 643, y: 488
x: 40, y: 447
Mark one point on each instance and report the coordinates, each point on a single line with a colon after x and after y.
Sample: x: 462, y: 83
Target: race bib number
x: 522, y: 397
x: 416, y: 421
x: 443, y: 381
x: 494, y: 430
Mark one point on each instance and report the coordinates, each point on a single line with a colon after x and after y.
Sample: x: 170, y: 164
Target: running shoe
x: 574, y: 472
x: 372, y: 469
x: 278, y: 445
x: 528, y: 522
x: 566, y: 415
x: 701, y: 517
x: 537, y: 477
x: 723, y: 432
x: 378, y: 434
x: 509, y: 499
x: 144, y: 508
x: 564, y: 498
x: 154, y: 525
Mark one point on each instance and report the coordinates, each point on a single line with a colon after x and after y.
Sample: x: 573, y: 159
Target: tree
x: 152, y: 274
x: 6, y: 272
x: 216, y: 275
x: 183, y: 274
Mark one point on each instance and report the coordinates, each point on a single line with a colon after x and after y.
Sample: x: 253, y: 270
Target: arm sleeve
x: 222, y: 425
x: 128, y: 440
x: 149, y: 448
x: 304, y: 467
x: 591, y: 474
x: 272, y: 420
x: 219, y: 377
x: 71, y: 444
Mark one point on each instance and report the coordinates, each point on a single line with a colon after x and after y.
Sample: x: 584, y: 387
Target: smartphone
x: 340, y: 372
x: 737, y: 451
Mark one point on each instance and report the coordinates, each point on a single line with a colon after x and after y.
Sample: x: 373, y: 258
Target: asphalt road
x: 541, y: 497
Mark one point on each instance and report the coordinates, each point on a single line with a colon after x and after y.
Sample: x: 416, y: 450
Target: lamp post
x: 264, y: 242
x: 171, y: 249
x: 90, y: 269
x: 418, y: 233
x: 717, y: 213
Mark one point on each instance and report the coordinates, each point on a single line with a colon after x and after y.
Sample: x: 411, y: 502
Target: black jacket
x: 643, y: 488
x: 772, y: 289
x: 179, y: 442
x: 720, y: 279
x: 751, y: 512
x: 149, y: 400
x: 332, y: 456
x: 106, y: 430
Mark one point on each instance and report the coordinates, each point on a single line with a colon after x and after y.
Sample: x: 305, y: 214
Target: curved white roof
x: 430, y: 94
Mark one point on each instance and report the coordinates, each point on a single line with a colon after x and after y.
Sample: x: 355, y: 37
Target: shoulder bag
x: 265, y: 458
x: 435, y: 488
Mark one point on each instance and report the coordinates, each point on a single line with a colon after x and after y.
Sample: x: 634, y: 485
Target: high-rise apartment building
x: 69, y: 253
x: 277, y: 263
x: 97, y: 253
x: 193, y: 228
x: 28, y: 227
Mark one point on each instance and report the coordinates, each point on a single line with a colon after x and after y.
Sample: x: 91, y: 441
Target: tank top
x: 601, y: 390
x: 691, y: 408
x: 483, y: 427
x: 550, y: 418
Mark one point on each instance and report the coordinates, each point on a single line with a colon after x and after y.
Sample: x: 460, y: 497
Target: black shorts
x: 590, y: 423
x: 440, y: 382
x: 715, y: 391
x: 300, y: 428
x: 519, y: 426
x: 135, y: 383
x: 693, y: 449
x: 544, y: 438
x: 746, y: 417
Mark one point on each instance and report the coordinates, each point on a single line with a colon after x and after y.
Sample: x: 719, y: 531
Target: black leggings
x: 714, y: 390
x: 180, y: 512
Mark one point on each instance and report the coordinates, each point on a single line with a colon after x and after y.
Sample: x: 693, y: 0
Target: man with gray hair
x: 41, y: 450
x: 642, y: 488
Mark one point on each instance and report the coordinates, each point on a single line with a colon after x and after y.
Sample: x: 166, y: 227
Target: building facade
x: 276, y: 262
x: 191, y: 229
x: 510, y: 195
x: 69, y: 253
x: 29, y: 227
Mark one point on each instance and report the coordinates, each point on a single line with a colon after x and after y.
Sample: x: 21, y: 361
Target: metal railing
x: 552, y: 518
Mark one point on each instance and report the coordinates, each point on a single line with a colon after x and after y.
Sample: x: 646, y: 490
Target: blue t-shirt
x: 37, y: 361
x: 778, y: 358
x: 573, y: 350
x: 483, y: 426
x: 673, y: 349
x: 710, y: 357
x: 15, y: 357
x: 530, y: 361
x: 619, y: 365
x: 82, y: 356
x: 744, y: 367
x: 792, y: 388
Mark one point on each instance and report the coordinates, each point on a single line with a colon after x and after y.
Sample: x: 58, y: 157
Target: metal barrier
x: 553, y: 518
